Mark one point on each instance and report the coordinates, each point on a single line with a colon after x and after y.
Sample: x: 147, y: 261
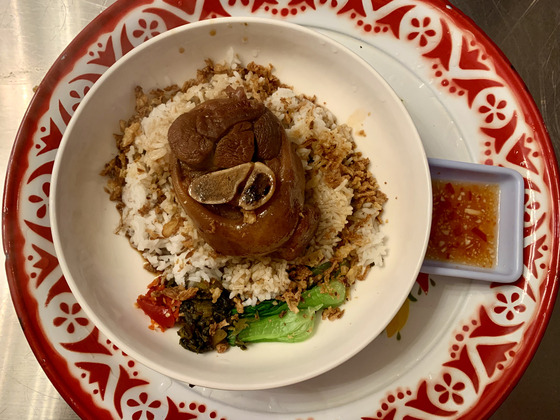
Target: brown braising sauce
x: 464, y: 223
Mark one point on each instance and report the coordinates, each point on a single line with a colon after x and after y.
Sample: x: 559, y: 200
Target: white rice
x: 184, y: 256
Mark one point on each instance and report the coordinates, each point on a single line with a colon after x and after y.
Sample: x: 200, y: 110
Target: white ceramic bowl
x: 509, y: 261
x: 105, y: 274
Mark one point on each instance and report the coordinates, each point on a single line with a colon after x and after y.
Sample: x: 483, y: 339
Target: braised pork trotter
x: 237, y: 176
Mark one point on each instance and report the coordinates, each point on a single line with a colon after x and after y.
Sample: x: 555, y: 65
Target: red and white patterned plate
x: 465, y: 344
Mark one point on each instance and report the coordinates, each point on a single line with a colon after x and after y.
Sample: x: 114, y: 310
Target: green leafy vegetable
x: 197, y: 317
x: 290, y: 328
x: 321, y: 268
x: 264, y: 309
x: 273, y: 321
x: 329, y: 295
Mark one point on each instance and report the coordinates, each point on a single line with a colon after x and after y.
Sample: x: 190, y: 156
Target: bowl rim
x: 69, y: 131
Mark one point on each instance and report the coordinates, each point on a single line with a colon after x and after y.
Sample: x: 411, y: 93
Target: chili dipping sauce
x: 464, y: 223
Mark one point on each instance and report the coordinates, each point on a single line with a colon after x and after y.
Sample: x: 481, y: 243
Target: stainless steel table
x: 33, y: 34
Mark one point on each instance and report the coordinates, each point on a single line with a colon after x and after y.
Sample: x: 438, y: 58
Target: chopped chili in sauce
x: 162, y: 310
x: 464, y: 223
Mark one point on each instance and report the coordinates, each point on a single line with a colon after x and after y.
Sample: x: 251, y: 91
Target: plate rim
x: 12, y: 232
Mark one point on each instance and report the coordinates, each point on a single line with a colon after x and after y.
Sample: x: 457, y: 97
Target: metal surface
x: 33, y: 34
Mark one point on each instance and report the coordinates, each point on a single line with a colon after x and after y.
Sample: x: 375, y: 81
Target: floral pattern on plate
x: 463, y: 370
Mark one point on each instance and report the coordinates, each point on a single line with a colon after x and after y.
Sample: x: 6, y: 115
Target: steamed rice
x: 337, y: 183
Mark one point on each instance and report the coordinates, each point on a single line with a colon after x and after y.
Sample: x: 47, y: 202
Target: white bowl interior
x: 509, y: 262
x: 105, y: 273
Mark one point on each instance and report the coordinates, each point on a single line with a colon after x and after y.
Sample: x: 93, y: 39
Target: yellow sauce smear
x: 464, y: 223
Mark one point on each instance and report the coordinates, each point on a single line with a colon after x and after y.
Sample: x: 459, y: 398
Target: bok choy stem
x: 273, y: 321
